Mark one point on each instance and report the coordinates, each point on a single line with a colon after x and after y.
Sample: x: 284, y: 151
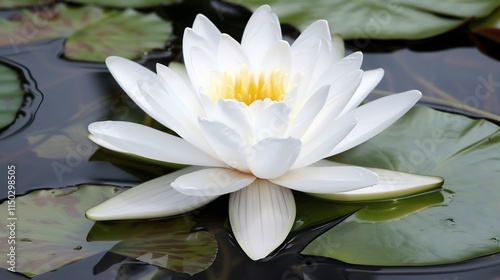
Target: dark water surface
x: 67, y: 95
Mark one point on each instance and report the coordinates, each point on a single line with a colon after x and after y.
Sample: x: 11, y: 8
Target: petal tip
x: 417, y: 93
x: 112, y: 61
x: 97, y: 214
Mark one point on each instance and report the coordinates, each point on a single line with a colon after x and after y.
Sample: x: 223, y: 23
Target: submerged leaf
x: 11, y: 95
x: 92, y: 33
x: 71, y: 140
x: 52, y: 231
x: 164, y: 243
x: 379, y: 19
x: 462, y: 151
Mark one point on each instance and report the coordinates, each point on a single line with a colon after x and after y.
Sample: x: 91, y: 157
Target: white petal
x: 261, y: 32
x: 192, y: 38
x: 308, y: 112
x: 304, y: 63
x: 226, y: 142
x: 199, y: 59
x: 319, y: 147
x: 272, y: 157
x: 370, y: 80
x: 212, y: 181
x: 105, y: 144
x: 127, y: 73
x: 206, y: 29
x: 340, y: 93
x: 234, y: 114
x: 173, y: 111
x: 180, y: 70
x: 150, y: 143
x: 292, y: 98
x: 176, y: 86
x: 261, y: 216
x: 391, y: 184
x: 338, y: 69
x: 376, y: 116
x: 152, y: 199
x: 338, y: 48
x: 332, y: 179
x: 270, y: 121
x: 279, y: 56
x: 317, y: 31
x: 230, y: 56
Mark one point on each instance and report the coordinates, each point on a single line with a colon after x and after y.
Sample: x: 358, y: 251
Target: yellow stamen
x: 248, y: 87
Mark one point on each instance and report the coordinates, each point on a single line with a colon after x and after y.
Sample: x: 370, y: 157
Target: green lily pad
x: 91, y: 33
x: 106, y: 3
x: 461, y: 225
x: 21, y: 3
x: 312, y: 211
x: 124, y: 3
x: 11, y: 95
x: 379, y: 19
x: 488, y: 27
x: 51, y: 231
x: 460, y: 8
x: 397, y: 209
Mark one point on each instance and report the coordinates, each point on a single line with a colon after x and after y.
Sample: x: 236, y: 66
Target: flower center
x: 248, y: 87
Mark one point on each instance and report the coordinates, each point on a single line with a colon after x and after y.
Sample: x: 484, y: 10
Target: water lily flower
x: 254, y: 119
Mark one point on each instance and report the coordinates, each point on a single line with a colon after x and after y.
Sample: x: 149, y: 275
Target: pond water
x: 67, y: 95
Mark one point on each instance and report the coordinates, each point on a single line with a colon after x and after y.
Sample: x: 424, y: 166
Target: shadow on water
x: 63, y: 97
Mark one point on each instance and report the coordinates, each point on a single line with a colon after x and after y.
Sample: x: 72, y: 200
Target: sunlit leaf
x: 488, y: 27
x: 379, y: 19
x: 11, y: 95
x: 463, y: 223
x: 52, y: 231
x: 92, y: 33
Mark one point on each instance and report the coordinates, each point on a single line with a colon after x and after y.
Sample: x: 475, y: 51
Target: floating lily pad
x: 51, y: 231
x: 124, y: 3
x: 11, y: 95
x: 21, y: 3
x: 464, y: 225
x: 91, y: 33
x: 379, y: 19
x: 313, y: 211
x: 488, y: 27
x: 461, y: 8
x: 106, y: 3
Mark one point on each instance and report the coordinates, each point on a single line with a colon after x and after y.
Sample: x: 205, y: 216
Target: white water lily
x: 254, y: 120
